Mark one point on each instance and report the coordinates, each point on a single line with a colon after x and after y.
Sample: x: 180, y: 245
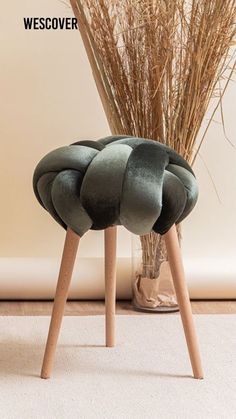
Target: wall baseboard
x: 35, y: 278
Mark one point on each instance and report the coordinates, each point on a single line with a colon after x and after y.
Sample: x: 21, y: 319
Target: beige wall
x: 48, y: 99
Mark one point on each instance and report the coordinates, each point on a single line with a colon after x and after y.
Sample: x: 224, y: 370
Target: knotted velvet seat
x: 141, y: 184
x: 138, y: 183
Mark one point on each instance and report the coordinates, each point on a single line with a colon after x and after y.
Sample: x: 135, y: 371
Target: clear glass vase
x: 152, y: 284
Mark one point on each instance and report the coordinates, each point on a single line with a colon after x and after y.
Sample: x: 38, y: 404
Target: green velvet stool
x: 140, y: 184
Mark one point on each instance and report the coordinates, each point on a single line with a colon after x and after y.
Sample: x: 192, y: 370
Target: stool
x: 119, y: 180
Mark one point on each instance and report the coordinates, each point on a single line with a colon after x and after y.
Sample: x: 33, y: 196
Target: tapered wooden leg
x: 110, y: 284
x: 177, y: 270
x: 64, y: 279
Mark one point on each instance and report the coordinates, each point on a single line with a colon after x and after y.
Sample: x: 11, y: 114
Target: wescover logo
x: 48, y: 23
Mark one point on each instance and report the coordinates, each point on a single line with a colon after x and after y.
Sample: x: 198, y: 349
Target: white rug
x: 147, y: 375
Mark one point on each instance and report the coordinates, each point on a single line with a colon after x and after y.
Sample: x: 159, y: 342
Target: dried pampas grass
x: 157, y: 64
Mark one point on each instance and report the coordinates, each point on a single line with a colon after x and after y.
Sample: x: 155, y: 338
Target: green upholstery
x: 138, y: 183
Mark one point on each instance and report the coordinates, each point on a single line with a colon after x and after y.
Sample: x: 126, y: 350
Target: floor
x: 85, y: 308
x: 147, y: 374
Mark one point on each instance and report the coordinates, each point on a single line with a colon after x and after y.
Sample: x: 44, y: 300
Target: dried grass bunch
x: 157, y: 64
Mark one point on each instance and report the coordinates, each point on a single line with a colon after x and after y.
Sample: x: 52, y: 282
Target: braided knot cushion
x: 138, y: 183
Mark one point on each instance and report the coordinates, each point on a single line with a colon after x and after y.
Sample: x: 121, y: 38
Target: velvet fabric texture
x: 138, y: 183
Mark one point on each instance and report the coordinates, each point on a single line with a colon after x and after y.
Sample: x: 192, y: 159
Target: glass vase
x: 152, y: 284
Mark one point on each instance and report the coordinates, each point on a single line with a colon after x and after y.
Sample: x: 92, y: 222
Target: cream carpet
x: 147, y: 375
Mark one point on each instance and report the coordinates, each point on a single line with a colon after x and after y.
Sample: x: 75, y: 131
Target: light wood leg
x: 64, y: 279
x: 177, y: 270
x: 110, y: 283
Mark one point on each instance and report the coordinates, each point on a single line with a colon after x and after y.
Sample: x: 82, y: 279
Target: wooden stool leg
x: 177, y: 270
x: 65, y: 274
x: 110, y: 284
